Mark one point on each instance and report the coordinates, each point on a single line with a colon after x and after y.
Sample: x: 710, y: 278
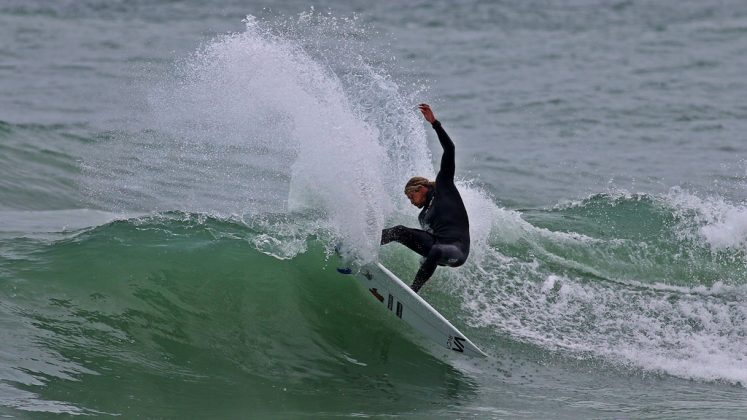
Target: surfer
x: 444, y: 239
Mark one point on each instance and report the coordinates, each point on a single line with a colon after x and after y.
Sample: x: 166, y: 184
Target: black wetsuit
x: 445, y: 238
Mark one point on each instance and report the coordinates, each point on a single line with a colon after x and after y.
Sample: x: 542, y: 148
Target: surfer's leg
x: 417, y: 240
x: 440, y: 254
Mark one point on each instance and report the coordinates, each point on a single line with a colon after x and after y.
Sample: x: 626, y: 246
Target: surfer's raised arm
x: 448, y: 165
x: 444, y: 239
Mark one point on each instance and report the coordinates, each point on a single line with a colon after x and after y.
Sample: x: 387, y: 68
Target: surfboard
x: 405, y: 304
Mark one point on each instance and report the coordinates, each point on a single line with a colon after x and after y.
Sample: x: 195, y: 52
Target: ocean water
x: 175, y: 177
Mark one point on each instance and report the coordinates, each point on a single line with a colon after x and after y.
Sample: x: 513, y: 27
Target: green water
x: 141, y: 316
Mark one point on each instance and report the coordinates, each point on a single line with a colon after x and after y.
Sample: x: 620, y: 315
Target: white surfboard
x: 397, y: 297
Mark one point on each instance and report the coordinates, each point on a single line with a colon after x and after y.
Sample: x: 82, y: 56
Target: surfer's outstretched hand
x: 427, y: 113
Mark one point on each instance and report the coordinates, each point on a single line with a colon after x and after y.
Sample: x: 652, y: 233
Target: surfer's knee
x: 434, y: 257
x: 435, y: 254
x: 449, y: 255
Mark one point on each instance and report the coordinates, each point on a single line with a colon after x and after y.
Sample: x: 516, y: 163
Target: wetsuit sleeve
x: 448, y: 165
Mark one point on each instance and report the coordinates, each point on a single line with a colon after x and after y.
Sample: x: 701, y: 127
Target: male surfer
x: 444, y: 239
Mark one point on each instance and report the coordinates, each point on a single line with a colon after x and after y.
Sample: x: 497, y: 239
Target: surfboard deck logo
x: 456, y: 344
x: 410, y: 307
x: 376, y: 294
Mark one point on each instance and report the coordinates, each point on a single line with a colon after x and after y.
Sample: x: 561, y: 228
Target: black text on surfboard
x: 390, y: 306
x: 456, y: 344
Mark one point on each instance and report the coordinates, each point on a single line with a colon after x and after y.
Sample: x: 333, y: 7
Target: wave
x: 188, y: 298
x: 628, y: 278
x: 284, y: 116
x: 261, y: 293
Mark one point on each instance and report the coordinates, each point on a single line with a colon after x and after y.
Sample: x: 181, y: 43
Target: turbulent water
x: 175, y: 178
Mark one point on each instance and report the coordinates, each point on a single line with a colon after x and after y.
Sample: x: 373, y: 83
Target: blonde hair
x: 416, y: 182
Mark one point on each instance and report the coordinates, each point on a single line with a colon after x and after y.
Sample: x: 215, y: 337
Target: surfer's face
x: 417, y: 197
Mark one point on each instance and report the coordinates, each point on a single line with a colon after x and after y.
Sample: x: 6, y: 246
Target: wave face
x: 190, y: 301
x: 157, y: 307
